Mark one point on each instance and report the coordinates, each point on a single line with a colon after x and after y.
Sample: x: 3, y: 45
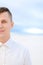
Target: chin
x: 1, y: 36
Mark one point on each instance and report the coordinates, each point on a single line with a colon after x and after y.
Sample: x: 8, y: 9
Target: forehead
x: 4, y: 15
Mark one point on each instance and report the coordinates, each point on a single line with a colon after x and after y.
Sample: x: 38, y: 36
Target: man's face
x: 5, y: 24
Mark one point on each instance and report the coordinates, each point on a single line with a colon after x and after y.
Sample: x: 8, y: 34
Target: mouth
x: 1, y: 31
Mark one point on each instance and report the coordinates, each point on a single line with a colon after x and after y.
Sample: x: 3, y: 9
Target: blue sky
x: 27, y: 15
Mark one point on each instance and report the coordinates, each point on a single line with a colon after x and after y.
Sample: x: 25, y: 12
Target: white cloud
x: 33, y: 30
x: 36, y: 1
x: 36, y: 13
x: 11, y: 3
x: 16, y: 4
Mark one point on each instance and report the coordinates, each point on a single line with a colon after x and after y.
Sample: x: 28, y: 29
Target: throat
x: 5, y: 39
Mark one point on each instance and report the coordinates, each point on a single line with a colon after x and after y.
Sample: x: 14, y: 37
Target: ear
x: 12, y: 24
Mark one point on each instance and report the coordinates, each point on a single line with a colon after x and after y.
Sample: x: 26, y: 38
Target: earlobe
x: 12, y: 24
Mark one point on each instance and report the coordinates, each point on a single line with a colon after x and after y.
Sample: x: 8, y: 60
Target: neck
x: 4, y: 39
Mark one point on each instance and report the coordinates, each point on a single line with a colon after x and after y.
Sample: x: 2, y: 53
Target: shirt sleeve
x: 27, y: 60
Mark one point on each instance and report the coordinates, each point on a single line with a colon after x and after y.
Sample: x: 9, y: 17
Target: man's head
x: 5, y: 22
x: 4, y: 9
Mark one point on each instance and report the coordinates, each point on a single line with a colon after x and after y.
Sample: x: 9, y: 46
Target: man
x: 11, y: 53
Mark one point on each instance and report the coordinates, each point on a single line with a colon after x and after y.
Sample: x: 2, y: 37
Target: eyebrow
x: 3, y: 20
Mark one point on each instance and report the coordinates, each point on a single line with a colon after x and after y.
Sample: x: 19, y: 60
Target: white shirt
x: 12, y: 53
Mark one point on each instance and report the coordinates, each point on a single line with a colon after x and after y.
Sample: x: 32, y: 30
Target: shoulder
x: 21, y: 52
x: 17, y: 46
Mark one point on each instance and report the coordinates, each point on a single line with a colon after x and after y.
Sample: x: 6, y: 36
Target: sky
x: 28, y: 19
x: 27, y: 15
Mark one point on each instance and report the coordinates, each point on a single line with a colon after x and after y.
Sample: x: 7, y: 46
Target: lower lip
x: 1, y: 30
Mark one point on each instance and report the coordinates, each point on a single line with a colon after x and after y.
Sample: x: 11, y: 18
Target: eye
x: 3, y: 21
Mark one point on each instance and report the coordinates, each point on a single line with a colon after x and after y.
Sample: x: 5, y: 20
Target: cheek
x: 8, y: 27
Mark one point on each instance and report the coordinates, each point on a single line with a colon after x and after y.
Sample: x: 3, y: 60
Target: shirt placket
x: 3, y: 55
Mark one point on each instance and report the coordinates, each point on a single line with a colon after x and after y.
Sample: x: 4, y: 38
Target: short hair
x: 5, y: 9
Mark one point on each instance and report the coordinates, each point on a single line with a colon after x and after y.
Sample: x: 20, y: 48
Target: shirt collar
x: 8, y: 43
